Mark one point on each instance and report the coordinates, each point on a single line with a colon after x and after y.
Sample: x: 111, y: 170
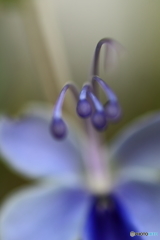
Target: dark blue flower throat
x: 88, y: 104
x: 108, y: 220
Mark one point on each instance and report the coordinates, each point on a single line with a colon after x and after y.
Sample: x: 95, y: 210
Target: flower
x: 77, y: 197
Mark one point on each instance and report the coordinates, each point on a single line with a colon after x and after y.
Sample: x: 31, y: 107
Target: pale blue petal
x: 142, y: 203
x: 27, y: 145
x: 139, y: 144
x: 44, y: 213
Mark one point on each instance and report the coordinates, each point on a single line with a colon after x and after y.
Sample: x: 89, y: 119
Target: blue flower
x: 85, y: 190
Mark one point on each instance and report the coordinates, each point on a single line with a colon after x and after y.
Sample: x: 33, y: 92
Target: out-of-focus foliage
x: 10, y: 1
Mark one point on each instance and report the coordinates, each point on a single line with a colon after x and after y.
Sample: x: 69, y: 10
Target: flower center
x: 104, y: 202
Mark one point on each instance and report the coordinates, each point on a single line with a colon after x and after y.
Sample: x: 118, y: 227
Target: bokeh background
x: 44, y: 43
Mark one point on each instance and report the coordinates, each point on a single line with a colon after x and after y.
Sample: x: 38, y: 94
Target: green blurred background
x: 44, y: 43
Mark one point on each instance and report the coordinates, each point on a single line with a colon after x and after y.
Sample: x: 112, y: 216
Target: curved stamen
x: 57, y: 113
x: 97, y: 104
x: 108, y: 91
x: 84, y: 108
x: 58, y: 126
x: 106, y: 41
x: 112, y: 108
x: 109, y: 43
x: 88, y: 98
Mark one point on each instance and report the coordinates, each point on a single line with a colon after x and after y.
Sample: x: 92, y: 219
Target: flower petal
x: 142, y: 202
x: 139, y: 144
x: 44, y: 213
x: 27, y: 145
x: 108, y: 220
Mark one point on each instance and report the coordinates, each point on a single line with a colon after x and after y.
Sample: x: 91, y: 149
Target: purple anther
x: 99, y: 120
x: 58, y: 128
x: 84, y: 108
x: 112, y: 111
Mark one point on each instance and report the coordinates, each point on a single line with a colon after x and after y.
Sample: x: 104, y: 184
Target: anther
x: 98, y: 118
x: 58, y: 126
x: 84, y: 108
x: 112, y: 111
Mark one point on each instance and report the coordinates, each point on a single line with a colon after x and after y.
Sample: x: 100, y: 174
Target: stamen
x: 58, y: 126
x: 97, y: 104
x: 107, y: 41
x: 110, y: 44
x: 84, y: 108
x: 88, y: 99
x: 112, y: 108
x: 58, y: 106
